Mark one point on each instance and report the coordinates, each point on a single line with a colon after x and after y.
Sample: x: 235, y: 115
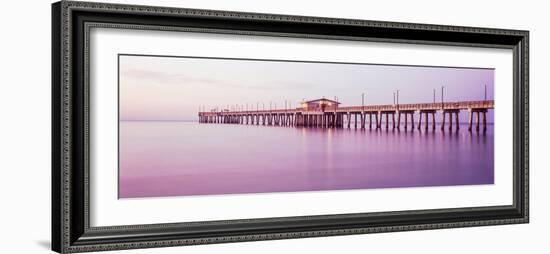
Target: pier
x: 325, y: 113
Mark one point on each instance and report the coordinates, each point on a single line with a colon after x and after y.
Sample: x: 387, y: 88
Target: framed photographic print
x: 182, y: 126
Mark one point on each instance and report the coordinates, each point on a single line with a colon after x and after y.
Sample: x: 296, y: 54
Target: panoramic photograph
x: 219, y: 126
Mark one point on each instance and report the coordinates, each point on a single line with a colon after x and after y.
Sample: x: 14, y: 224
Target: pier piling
x: 338, y: 116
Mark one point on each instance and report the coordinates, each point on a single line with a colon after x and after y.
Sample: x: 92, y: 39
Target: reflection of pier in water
x: 325, y: 113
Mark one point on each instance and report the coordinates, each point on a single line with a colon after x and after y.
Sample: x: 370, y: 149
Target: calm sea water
x: 186, y: 158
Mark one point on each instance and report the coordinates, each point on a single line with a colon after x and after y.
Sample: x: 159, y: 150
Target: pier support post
x: 433, y: 121
x: 470, y: 120
x: 426, y: 120
x: 412, y: 121
x: 398, y: 120
x: 443, y: 122
x: 317, y: 121
x: 457, y: 121
x: 419, y: 121
x: 477, y: 121
x: 393, y: 120
x: 406, y: 120
x: 370, y: 120
x: 285, y: 116
x: 484, y: 121
x: 450, y: 121
x: 287, y: 119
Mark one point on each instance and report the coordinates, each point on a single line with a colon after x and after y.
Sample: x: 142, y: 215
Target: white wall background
x: 25, y: 126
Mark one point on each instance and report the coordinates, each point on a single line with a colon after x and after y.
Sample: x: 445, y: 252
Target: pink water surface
x: 160, y: 159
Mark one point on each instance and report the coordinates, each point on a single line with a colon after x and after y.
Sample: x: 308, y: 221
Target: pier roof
x: 322, y: 99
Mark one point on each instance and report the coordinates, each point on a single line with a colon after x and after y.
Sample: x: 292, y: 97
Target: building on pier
x: 319, y: 105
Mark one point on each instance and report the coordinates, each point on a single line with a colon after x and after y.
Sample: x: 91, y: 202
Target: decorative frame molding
x: 71, y: 22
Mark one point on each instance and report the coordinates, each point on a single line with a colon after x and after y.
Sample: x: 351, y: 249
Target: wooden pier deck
x: 343, y: 116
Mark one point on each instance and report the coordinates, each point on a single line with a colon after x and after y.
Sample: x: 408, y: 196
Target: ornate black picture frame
x: 71, y: 231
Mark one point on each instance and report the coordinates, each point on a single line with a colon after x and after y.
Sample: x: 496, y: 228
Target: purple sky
x: 173, y: 88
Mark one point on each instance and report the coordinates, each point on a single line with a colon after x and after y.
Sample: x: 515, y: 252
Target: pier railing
x: 462, y: 105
